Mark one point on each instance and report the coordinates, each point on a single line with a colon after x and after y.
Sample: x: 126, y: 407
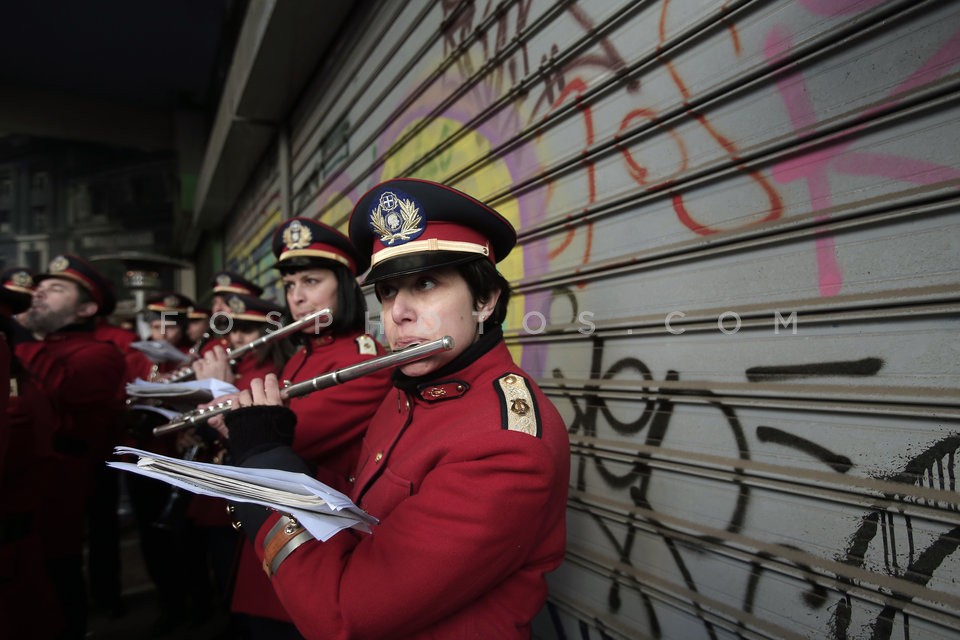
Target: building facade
x: 68, y: 197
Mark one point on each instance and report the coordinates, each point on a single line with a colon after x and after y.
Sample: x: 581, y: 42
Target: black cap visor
x: 417, y: 263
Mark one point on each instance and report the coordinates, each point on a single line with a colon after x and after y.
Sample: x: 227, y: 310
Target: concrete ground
x: 140, y: 611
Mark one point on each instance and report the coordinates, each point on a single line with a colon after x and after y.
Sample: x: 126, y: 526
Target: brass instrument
x: 333, y: 378
x: 187, y: 373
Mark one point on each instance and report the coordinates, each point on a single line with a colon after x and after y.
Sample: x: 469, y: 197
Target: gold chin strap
x: 433, y: 244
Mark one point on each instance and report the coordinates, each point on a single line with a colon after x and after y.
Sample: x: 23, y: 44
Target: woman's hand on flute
x: 259, y: 421
x: 215, y: 364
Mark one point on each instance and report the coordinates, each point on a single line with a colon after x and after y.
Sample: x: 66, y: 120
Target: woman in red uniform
x: 250, y: 318
x: 319, y: 269
x: 223, y: 285
x: 466, y: 464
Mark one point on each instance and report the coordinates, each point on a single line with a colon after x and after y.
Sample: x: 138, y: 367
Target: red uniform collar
x: 454, y: 380
x: 70, y: 332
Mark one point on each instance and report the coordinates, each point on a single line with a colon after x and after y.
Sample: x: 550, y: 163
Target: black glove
x: 257, y: 429
x: 252, y: 516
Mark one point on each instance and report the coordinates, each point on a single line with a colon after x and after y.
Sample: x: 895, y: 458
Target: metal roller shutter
x: 737, y: 279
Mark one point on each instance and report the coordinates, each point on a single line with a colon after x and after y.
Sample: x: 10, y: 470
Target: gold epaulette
x: 518, y: 407
x: 366, y: 345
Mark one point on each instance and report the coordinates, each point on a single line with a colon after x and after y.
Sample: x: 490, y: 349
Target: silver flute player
x: 324, y: 381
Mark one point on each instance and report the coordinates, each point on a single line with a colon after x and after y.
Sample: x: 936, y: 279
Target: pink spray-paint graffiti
x: 814, y: 167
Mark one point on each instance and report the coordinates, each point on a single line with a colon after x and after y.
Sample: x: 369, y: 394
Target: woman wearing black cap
x: 466, y: 464
x: 223, y: 285
x: 250, y: 319
x: 318, y: 268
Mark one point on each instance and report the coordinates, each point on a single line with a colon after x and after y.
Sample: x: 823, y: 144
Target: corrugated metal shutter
x: 249, y: 233
x: 737, y: 278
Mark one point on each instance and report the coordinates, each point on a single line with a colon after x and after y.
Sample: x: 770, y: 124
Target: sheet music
x: 321, y: 510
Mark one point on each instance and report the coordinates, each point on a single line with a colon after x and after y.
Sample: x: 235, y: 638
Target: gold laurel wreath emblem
x: 297, y: 236
x: 237, y: 306
x: 60, y: 263
x: 410, y: 216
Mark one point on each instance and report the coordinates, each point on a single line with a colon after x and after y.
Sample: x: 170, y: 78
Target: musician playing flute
x: 319, y: 268
x: 167, y: 316
x: 466, y: 463
x: 224, y: 284
x: 29, y: 607
x: 249, y: 318
x: 79, y: 375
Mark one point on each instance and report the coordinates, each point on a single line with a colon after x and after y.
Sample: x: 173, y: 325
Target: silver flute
x: 323, y: 381
x: 187, y: 373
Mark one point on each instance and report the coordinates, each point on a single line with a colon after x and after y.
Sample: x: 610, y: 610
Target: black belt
x: 14, y: 527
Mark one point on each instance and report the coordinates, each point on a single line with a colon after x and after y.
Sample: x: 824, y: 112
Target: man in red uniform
x: 79, y: 375
x: 466, y: 465
x: 28, y: 603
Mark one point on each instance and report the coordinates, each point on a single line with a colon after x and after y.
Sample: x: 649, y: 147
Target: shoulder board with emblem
x: 366, y: 345
x: 518, y: 407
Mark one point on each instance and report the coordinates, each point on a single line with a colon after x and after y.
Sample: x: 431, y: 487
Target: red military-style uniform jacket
x: 79, y: 375
x: 136, y: 363
x: 330, y: 425
x: 214, y: 342
x: 249, y: 369
x: 472, y: 515
x: 29, y: 475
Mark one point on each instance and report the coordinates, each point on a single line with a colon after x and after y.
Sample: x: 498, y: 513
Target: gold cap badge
x: 58, y: 264
x: 297, y: 236
x: 237, y: 306
x: 22, y: 279
x: 396, y: 219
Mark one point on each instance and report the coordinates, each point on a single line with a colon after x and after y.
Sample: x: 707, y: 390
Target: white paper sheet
x: 321, y: 510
